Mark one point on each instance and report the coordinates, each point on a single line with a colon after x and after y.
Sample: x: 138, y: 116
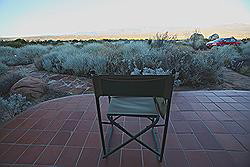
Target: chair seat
x: 132, y: 106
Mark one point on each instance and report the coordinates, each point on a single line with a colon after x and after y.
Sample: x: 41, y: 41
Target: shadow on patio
x: 206, y: 128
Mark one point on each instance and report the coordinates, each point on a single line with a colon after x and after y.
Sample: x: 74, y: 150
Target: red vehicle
x: 222, y: 42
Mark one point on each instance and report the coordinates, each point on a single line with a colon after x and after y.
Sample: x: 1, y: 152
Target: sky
x: 59, y: 17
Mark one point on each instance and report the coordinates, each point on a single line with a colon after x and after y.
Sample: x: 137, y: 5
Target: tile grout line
x: 88, y: 133
x: 71, y: 134
x: 57, y: 131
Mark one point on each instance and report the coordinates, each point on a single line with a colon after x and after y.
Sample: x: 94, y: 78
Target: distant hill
x: 236, y: 30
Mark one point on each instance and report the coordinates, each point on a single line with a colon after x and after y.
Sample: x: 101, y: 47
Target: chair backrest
x: 134, y: 85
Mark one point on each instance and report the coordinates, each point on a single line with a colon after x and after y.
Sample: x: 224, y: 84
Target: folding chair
x: 135, y: 96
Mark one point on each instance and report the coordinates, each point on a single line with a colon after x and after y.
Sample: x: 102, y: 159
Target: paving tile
x: 69, y: 125
x: 63, y: 115
x: 44, y: 138
x: 68, y: 157
x: 176, y: 158
x: 4, y: 148
x: 189, y: 142
x: 12, y: 154
x: 132, y: 126
x: 216, y: 127
x: 211, y: 107
x: 246, y: 114
x: 55, y: 125
x: 182, y: 127
x: 221, y: 158
x: 177, y: 116
x: 149, y: 160
x: 14, y: 136
x: 208, y: 141
x: 131, y: 158
x: 215, y: 99
x: 172, y: 142
x: 30, y: 155
x: 52, y: 114
x: 245, y: 125
x: 27, y: 124
x: 228, y: 99
x: 14, y: 123
x: 221, y: 116
x: 225, y: 106
x: 134, y: 144
x: 41, y: 124
x: 61, y: 138
x: 95, y: 127
x: 241, y: 159
x: 240, y: 99
x: 198, y: 127
x: 233, y: 127
x: 206, y: 116
x: 228, y: 142
x: 4, y: 133
x: 203, y: 99
x: 198, y: 106
x: 247, y: 105
x: 191, y: 99
x: 49, y: 155
x: 89, y: 115
x: 111, y: 161
x: 77, y: 139
x: 236, y: 115
x: 76, y: 115
x: 244, y: 140
x: 89, y: 156
x: 29, y: 137
x: 190, y: 116
x: 84, y: 125
x: 184, y: 106
x: 220, y: 93
x: 93, y: 140
x: 198, y: 159
x: 238, y: 106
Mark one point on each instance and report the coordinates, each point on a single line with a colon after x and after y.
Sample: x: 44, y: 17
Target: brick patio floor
x: 206, y: 128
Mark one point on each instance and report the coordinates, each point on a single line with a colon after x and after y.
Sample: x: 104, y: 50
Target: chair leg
x: 133, y: 137
x: 100, y: 125
x: 164, y: 138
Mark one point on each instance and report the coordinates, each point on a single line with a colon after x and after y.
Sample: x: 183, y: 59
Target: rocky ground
x: 71, y: 85
x: 61, y: 83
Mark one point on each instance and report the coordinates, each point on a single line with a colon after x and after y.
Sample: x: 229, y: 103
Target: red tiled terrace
x: 206, y: 128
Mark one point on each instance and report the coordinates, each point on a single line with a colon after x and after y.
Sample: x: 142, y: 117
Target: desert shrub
x: 225, y: 53
x: 203, y: 69
x: 26, y: 54
x: 7, y: 81
x: 22, y: 56
x: 246, y: 50
x: 70, y: 59
x: 195, y: 67
x: 7, y: 54
x: 3, y: 69
x: 134, y: 54
x: 12, y: 106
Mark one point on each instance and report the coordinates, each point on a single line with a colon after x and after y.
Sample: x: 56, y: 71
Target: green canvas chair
x: 135, y: 96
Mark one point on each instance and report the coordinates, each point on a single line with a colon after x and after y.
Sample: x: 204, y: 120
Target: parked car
x: 223, y: 41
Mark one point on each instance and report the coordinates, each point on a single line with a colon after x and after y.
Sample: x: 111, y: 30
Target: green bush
x: 246, y: 50
x: 22, y: 56
x: 12, y: 106
x: 3, y: 69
